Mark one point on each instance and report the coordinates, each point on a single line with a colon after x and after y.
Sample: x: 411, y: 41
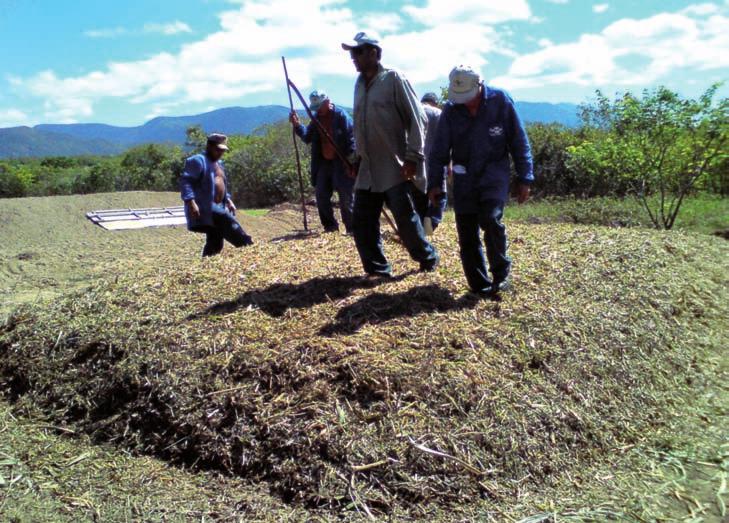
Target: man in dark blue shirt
x: 209, y: 207
x: 328, y: 173
x: 478, y: 131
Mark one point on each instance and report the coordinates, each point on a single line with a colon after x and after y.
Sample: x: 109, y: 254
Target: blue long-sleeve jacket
x: 198, y: 182
x: 482, y: 144
x: 343, y: 134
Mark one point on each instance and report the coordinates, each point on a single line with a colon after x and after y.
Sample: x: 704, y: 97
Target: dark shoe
x: 331, y: 228
x: 431, y: 265
x: 501, y: 285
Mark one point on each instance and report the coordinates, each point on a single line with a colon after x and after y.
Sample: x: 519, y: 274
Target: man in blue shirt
x: 209, y: 207
x: 328, y: 173
x: 478, y: 131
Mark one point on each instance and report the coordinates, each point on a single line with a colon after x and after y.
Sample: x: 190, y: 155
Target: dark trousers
x: 329, y: 178
x: 367, y: 237
x: 225, y: 227
x: 488, y: 219
x: 426, y: 209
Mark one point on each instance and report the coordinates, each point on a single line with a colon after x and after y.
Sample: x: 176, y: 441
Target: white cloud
x: 558, y: 1
x: 436, y: 12
x: 243, y: 56
x: 168, y: 29
x: 111, y: 32
x: 627, y: 52
x: 12, y: 118
x: 600, y: 8
x: 382, y: 23
x: 701, y: 9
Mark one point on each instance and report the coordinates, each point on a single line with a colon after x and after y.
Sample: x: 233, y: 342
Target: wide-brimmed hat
x: 464, y: 84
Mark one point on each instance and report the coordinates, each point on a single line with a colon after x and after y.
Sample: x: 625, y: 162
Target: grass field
x: 274, y: 384
x: 702, y: 214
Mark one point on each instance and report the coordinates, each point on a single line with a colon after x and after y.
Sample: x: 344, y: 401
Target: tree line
x: 659, y: 147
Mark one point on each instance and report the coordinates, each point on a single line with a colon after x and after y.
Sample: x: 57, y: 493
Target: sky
x: 123, y: 63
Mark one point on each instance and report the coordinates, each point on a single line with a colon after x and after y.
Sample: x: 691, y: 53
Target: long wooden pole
x: 296, y: 148
x: 341, y: 156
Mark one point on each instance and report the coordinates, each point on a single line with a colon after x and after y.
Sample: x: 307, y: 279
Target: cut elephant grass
x: 406, y: 397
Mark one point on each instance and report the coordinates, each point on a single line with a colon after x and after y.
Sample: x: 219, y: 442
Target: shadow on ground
x: 276, y: 299
x: 379, y: 308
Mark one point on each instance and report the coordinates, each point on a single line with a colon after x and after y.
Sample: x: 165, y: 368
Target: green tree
x: 16, y: 180
x: 195, y: 139
x: 150, y: 167
x: 661, y: 144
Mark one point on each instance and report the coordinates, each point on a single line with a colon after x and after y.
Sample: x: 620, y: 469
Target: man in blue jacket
x: 209, y: 207
x: 328, y: 173
x: 478, y: 130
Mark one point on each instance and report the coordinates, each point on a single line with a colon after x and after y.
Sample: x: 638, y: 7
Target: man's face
x: 214, y: 153
x: 324, y: 108
x: 363, y: 57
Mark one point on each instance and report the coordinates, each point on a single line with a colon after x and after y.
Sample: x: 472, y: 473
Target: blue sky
x: 125, y: 62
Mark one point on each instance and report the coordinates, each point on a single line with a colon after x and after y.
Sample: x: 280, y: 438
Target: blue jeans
x: 488, y: 219
x: 366, y: 227
x: 328, y: 179
x: 225, y: 227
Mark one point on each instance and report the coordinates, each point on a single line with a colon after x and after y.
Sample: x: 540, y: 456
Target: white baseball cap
x: 316, y: 98
x: 361, y: 39
x: 464, y: 83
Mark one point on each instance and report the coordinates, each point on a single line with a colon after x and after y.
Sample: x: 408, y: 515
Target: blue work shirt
x: 198, y: 183
x: 342, y: 133
x: 482, y: 144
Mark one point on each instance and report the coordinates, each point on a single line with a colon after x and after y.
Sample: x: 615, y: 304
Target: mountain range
x: 102, y: 139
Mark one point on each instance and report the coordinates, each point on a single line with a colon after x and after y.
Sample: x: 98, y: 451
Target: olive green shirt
x: 389, y: 128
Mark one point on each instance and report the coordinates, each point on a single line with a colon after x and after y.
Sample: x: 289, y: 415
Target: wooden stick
x: 296, y: 148
x: 339, y: 153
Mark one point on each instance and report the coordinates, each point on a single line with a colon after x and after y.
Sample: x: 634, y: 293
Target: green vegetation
x: 705, y: 214
x: 596, y: 389
x: 661, y: 145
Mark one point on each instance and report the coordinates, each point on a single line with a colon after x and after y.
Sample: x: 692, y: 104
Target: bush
x: 261, y: 168
x: 659, y: 144
x: 15, y: 180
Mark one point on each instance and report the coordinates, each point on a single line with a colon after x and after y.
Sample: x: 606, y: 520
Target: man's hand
x: 294, y: 118
x: 523, y: 193
x: 193, y: 209
x: 409, y: 170
x: 231, y: 206
x: 434, y: 195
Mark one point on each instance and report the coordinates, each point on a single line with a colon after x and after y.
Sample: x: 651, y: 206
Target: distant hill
x: 231, y: 120
x: 534, y: 112
x: 20, y: 142
x: 93, y: 138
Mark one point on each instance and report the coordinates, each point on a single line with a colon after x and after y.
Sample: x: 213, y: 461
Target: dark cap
x: 218, y: 140
x: 429, y: 97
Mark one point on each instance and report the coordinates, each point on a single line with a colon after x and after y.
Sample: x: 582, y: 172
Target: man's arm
x: 440, y: 156
x: 519, y: 147
x: 306, y: 133
x: 411, y: 110
x: 349, y: 129
x: 190, y: 177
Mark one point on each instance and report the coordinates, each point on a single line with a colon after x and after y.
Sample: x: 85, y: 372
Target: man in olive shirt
x: 389, y: 133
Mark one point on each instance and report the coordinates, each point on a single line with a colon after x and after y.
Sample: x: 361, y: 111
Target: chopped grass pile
x: 280, y: 364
